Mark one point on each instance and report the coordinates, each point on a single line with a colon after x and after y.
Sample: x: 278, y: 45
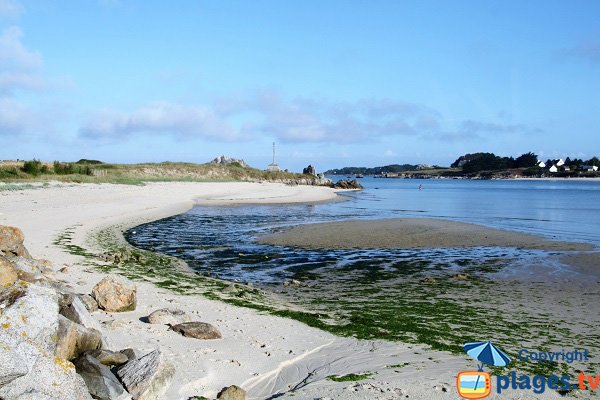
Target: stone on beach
x: 148, y: 377
x: 12, y: 366
x: 100, y: 381
x: 197, y: 330
x: 72, y: 307
x: 232, y: 392
x: 108, y: 357
x: 74, y: 339
x: 169, y: 316
x: 115, y: 294
x: 11, y: 242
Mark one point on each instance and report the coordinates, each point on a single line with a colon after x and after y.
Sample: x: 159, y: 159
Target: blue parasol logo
x: 487, y: 353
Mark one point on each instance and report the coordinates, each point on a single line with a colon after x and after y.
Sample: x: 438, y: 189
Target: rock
x: 74, y: 339
x: 197, y: 330
x: 108, y: 357
x: 232, y: 392
x: 293, y: 282
x: 12, y: 366
x: 72, y: 307
x: 131, y: 354
x: 347, y: 184
x: 310, y: 170
x: 429, y: 280
x: 28, y: 327
x: 148, y: 377
x: 11, y: 242
x: 224, y: 160
x: 64, y: 270
x: 100, y: 381
x: 115, y: 294
x: 462, y: 277
x: 169, y: 316
x: 28, y: 270
x: 8, y: 273
x: 89, y: 302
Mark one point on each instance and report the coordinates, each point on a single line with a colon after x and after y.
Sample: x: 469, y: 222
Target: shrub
x: 34, y: 167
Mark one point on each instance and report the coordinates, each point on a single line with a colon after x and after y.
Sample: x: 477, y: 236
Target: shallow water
x: 219, y: 240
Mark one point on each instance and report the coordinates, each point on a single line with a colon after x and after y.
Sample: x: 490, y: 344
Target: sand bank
x: 410, y: 233
x: 264, y: 354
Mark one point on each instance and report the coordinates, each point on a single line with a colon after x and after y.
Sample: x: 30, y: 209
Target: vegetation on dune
x: 94, y: 171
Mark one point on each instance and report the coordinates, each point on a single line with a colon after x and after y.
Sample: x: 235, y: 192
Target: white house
x: 589, y: 168
x: 560, y: 163
x: 553, y: 169
x: 541, y: 164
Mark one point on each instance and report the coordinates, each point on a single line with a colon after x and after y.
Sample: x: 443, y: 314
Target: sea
x: 380, y: 293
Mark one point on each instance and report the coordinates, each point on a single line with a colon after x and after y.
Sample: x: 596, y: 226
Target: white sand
x: 263, y: 354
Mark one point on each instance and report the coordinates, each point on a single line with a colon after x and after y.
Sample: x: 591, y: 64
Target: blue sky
x: 334, y: 83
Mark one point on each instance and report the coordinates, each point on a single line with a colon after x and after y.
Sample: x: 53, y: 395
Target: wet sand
x: 585, y: 263
x: 411, y: 233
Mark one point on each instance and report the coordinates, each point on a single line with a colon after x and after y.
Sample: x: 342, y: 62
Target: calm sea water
x: 218, y: 241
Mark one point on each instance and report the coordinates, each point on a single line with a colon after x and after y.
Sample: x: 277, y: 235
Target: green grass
x: 349, y: 377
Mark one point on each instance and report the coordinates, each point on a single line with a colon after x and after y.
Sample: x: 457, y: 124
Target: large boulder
x: 100, y: 381
x: 169, y: 316
x: 8, y: 273
x: 28, y: 328
x: 148, y: 377
x: 197, y: 330
x: 232, y: 392
x: 115, y: 294
x: 11, y: 242
x: 28, y: 269
x: 74, y: 339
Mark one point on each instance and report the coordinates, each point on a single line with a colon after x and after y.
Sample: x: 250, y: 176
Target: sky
x: 332, y: 83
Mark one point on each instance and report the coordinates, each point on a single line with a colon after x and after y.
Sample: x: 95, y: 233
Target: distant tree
x: 568, y: 161
x: 526, y: 160
x: 593, y: 161
x: 34, y: 167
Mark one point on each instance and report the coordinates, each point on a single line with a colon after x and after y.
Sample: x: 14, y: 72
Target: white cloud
x: 159, y: 118
x: 13, y: 55
x: 10, y: 8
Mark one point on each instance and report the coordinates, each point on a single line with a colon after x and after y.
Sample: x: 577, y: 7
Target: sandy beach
x: 406, y: 233
x: 264, y: 354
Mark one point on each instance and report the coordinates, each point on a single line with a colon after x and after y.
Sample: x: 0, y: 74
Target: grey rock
x: 72, y: 307
x: 169, y: 316
x: 148, y: 377
x: 108, y: 357
x: 12, y: 366
x: 131, y: 354
x: 197, y: 330
x: 232, y: 392
x: 224, y: 160
x: 89, y: 302
x: 100, y: 381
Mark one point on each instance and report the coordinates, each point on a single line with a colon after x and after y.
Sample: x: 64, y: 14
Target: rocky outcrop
x: 348, y: 185
x: 232, y: 392
x: 148, y: 377
x: 28, y: 335
x: 224, y: 160
x: 89, y: 302
x: 11, y: 242
x: 169, y: 316
x: 197, y: 330
x: 310, y: 170
x: 100, y: 381
x: 115, y: 294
